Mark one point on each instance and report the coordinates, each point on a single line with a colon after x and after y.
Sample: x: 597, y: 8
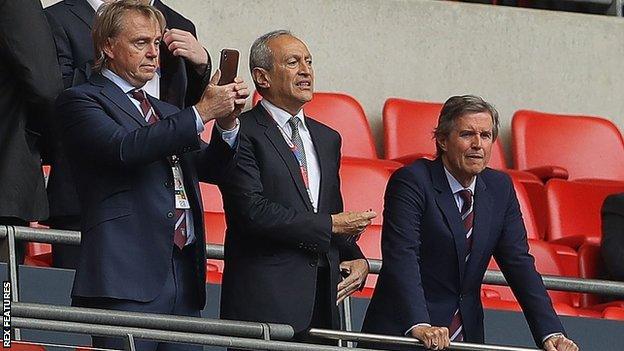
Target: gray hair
x: 260, y: 54
x: 458, y: 106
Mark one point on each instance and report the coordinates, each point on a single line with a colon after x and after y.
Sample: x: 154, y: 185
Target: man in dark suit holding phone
x: 137, y: 162
x: 184, y: 68
x: 287, y: 235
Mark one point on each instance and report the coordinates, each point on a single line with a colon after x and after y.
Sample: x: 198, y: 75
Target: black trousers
x: 63, y: 255
x: 323, y: 311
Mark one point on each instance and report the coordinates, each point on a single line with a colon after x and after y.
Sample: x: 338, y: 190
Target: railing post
x: 266, y: 331
x: 12, y: 266
x: 130, y: 346
x: 346, y: 313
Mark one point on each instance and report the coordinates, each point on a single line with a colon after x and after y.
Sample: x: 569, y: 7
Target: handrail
x: 552, y: 282
x: 399, y: 340
x: 170, y: 336
x: 153, y: 321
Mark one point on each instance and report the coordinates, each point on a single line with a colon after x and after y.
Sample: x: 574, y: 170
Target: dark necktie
x: 456, y: 330
x: 298, y: 149
x: 179, y: 234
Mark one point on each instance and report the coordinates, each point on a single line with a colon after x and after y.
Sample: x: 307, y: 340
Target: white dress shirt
x: 281, y: 117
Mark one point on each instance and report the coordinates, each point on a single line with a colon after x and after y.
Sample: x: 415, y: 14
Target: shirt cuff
x: 550, y: 336
x: 229, y: 136
x: 407, y: 333
x: 198, y: 121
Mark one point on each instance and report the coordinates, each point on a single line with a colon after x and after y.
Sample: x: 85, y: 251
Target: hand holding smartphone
x: 228, y: 65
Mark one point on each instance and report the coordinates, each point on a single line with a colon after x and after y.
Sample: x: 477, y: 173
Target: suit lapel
x: 82, y: 10
x: 277, y: 140
x: 323, y: 154
x: 446, y: 202
x: 481, y: 226
x: 117, y: 97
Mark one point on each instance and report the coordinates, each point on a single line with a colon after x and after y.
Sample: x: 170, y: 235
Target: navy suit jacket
x: 274, y: 238
x: 71, y: 22
x: 125, y: 186
x: 424, y: 274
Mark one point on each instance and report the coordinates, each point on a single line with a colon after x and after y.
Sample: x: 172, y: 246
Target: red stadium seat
x: 546, y: 262
x: 568, y: 258
x: 344, y: 114
x: 574, y: 211
x: 38, y: 254
x: 363, y: 185
x: 591, y: 267
x: 615, y: 313
x: 408, y: 132
x: 214, y: 224
x: 370, y: 244
x: 562, y: 146
x: 20, y: 346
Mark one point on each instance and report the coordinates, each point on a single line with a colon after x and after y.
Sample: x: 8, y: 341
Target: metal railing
x: 267, y: 331
x: 203, y: 331
x: 399, y: 340
x: 552, y: 282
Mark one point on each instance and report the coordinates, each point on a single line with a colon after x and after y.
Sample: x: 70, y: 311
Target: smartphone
x: 228, y: 66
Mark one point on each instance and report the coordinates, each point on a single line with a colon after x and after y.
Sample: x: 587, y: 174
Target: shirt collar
x: 120, y: 82
x: 456, y: 185
x: 281, y: 116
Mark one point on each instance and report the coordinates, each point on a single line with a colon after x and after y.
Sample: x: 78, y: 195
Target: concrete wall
x: 429, y: 50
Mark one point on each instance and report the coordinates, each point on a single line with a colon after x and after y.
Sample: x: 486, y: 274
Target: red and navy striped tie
x: 179, y: 234
x: 456, y: 329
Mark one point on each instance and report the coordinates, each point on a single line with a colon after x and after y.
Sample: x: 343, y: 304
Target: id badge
x: 181, y: 200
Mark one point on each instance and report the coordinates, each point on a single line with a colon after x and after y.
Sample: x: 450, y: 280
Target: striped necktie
x: 456, y: 329
x: 179, y: 234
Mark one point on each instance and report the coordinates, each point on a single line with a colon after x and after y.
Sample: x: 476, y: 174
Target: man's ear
x: 108, y: 48
x: 441, y: 142
x: 261, y: 77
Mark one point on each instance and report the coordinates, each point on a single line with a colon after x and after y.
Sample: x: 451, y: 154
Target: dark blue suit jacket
x: 125, y: 186
x: 424, y: 275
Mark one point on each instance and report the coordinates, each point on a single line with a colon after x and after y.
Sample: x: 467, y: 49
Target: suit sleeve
x: 400, y: 246
x: 215, y: 159
x: 26, y: 41
x: 63, y: 50
x: 612, y: 247
x: 518, y: 267
x: 92, y: 133
x: 196, y: 82
x: 261, y: 217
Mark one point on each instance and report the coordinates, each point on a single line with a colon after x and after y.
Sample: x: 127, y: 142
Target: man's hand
x: 222, y: 102
x: 559, y: 343
x: 357, y: 271
x: 351, y: 223
x: 434, y: 338
x: 184, y: 44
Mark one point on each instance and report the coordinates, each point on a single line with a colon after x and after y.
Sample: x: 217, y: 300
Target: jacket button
x: 312, y: 264
x: 169, y: 214
x: 168, y: 184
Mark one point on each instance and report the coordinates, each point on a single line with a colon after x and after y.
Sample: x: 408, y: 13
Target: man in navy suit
x: 443, y: 220
x: 137, y: 162
x: 287, y: 236
x: 184, y: 68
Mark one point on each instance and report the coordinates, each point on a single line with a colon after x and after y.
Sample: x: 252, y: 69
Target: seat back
x: 590, y: 267
x: 344, y: 114
x: 408, y: 129
x: 615, y: 313
x: 546, y: 262
x: 525, y: 208
x: 363, y: 185
x: 587, y: 147
x: 574, y: 210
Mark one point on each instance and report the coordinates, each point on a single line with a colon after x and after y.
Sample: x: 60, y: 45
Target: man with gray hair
x: 443, y: 220
x: 287, y: 235
x: 137, y: 162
